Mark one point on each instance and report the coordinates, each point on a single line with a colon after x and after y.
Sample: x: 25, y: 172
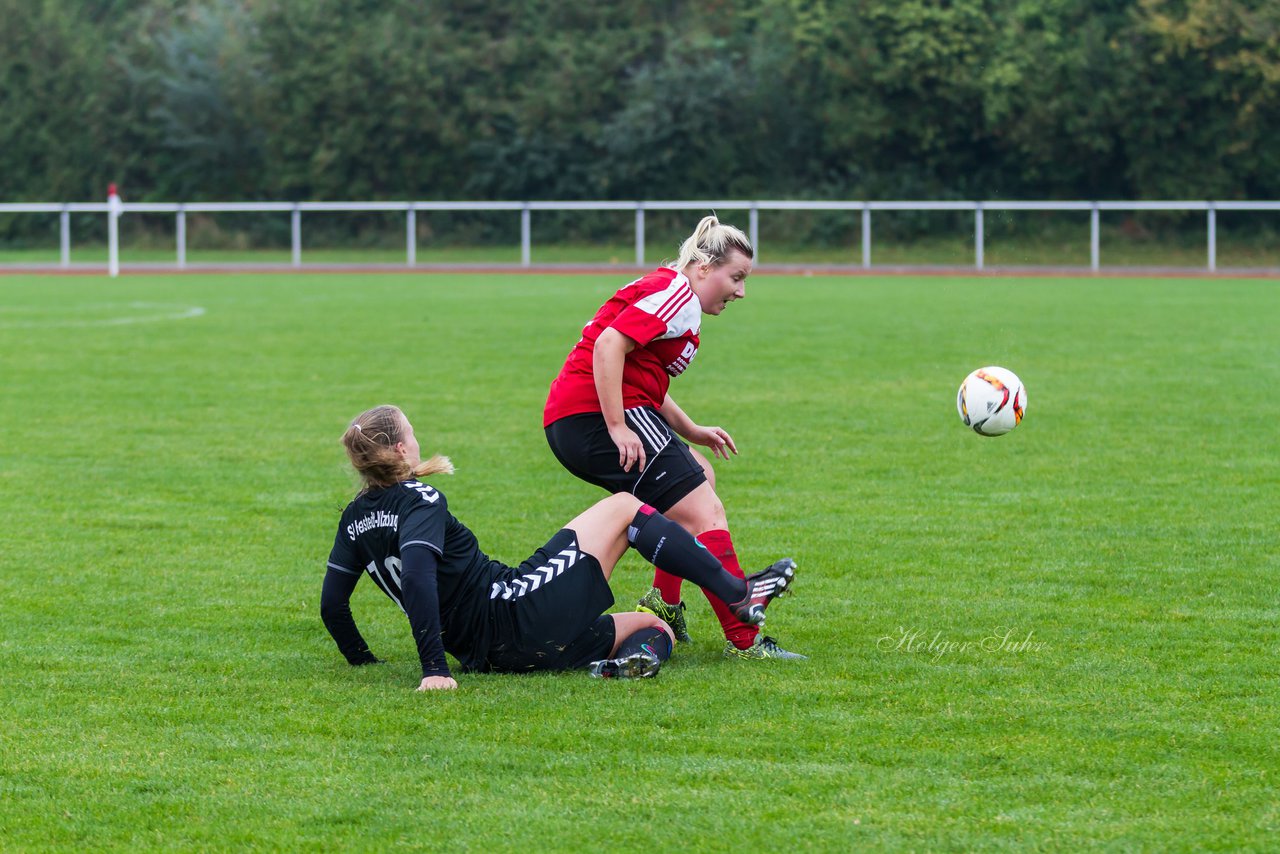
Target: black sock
x: 652, y: 640
x: 673, y: 549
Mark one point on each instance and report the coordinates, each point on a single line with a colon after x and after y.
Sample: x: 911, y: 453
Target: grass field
x: 1062, y: 638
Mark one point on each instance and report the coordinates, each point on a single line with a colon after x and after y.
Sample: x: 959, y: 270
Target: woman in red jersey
x: 610, y: 420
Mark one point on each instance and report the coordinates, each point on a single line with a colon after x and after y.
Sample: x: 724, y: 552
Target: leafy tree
x: 202, y: 78
x: 50, y: 63
x: 1215, y: 94
x: 400, y: 99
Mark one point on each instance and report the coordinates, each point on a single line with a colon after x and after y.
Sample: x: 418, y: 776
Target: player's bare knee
x: 623, y: 504
x: 628, y: 623
x: 653, y: 621
x: 707, y: 514
x: 715, y: 509
x: 662, y: 624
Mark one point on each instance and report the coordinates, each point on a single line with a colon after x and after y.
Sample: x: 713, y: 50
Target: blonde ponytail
x: 435, y: 465
x: 371, y: 442
x: 711, y: 243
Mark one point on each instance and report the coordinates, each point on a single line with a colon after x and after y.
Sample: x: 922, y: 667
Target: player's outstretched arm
x: 421, y: 598
x: 335, y: 611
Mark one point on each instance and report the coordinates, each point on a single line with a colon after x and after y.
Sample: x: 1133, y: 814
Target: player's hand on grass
x: 438, y: 683
x: 715, y: 438
x: 630, y: 448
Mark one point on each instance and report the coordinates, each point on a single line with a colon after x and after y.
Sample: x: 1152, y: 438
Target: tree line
x: 656, y: 99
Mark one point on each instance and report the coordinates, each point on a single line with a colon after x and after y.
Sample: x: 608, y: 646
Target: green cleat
x: 764, y: 647
x: 672, y: 615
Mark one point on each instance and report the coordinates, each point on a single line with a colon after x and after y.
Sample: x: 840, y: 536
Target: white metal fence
x: 114, y: 209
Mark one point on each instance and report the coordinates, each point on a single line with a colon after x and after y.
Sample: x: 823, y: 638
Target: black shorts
x: 550, y: 611
x: 582, y: 445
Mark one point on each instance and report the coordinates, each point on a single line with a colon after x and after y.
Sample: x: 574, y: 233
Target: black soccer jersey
x: 375, y: 530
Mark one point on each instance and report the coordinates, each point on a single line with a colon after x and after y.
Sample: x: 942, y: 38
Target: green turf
x: 170, y: 488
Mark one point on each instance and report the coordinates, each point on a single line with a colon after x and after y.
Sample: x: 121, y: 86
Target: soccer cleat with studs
x: 672, y: 615
x: 762, y: 587
x: 763, y: 648
x: 637, y: 665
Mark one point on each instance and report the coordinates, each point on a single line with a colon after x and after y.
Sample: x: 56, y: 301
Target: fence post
x: 526, y: 237
x: 1094, y: 228
x: 639, y: 234
x: 978, y: 247
x: 411, y: 236
x: 753, y: 226
x: 295, y: 223
x: 1213, y: 238
x: 866, y: 235
x: 64, y: 236
x: 180, y: 229
x: 113, y: 231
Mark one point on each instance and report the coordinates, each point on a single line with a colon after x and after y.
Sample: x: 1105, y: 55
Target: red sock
x: 668, y: 585
x: 720, y: 544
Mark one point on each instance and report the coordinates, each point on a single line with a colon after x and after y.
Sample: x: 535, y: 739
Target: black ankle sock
x: 650, y: 640
x: 673, y: 549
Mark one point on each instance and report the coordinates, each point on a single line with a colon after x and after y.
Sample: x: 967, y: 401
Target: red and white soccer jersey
x: 662, y: 315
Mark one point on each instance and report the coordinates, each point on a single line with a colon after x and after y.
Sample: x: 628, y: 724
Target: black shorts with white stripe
x: 582, y: 445
x: 548, y: 613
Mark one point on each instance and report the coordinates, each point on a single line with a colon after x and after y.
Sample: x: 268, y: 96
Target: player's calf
x: 639, y: 656
x: 672, y: 549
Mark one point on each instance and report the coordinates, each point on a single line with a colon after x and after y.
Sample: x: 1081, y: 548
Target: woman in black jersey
x: 545, y: 614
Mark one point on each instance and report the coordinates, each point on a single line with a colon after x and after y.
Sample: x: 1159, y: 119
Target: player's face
x: 719, y: 286
x: 408, y: 444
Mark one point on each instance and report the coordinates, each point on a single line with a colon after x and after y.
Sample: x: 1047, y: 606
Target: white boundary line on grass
x: 168, y: 312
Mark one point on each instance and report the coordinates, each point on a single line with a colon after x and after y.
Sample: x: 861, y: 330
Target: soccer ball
x: 992, y: 401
